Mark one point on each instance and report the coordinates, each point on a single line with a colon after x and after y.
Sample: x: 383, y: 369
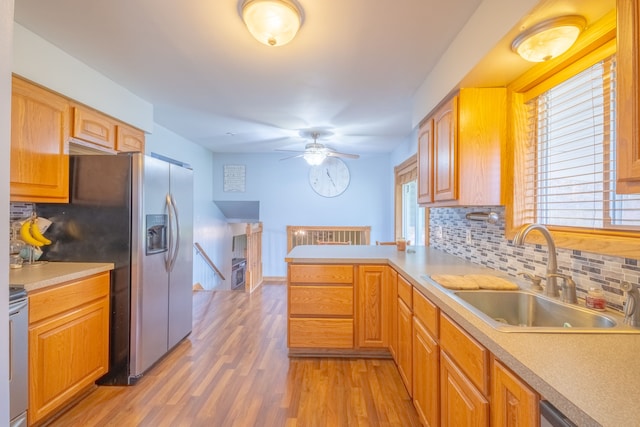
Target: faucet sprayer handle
x: 535, y: 280
x: 631, y: 312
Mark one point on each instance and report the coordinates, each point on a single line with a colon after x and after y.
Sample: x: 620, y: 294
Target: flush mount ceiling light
x: 272, y: 22
x: 548, y: 39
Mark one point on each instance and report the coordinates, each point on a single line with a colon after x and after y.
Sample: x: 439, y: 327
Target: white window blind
x: 570, y: 160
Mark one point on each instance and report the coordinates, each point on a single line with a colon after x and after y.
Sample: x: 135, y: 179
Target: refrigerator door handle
x: 169, y: 254
x: 176, y: 248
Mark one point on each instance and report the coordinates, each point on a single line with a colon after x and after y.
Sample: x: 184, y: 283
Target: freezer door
x: 181, y: 273
x: 149, y: 333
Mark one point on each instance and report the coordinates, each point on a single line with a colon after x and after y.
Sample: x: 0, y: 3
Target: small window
x: 570, y: 158
x: 413, y: 220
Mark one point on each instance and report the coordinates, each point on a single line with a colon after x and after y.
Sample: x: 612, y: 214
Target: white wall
x: 486, y: 27
x: 210, y: 227
x: 6, y: 33
x: 36, y: 59
x: 285, y: 197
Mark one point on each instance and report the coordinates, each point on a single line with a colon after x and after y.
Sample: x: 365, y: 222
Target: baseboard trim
x: 274, y: 279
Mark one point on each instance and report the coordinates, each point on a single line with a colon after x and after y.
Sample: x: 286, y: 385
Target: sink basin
x: 523, y: 311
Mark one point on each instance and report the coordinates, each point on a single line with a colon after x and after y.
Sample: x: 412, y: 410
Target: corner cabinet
x: 628, y: 97
x: 460, y: 150
x: 68, y: 342
x: 39, y: 150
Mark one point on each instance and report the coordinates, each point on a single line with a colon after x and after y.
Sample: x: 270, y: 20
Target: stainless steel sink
x: 523, y: 311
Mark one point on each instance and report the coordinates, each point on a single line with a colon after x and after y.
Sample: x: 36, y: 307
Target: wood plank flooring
x: 233, y: 370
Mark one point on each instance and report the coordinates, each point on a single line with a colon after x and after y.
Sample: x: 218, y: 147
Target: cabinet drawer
x: 321, y: 274
x: 321, y: 300
x: 320, y: 333
x: 52, y: 301
x: 469, y: 355
x: 426, y: 312
x: 405, y: 290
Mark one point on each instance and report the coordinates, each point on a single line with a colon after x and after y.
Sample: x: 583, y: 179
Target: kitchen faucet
x: 552, y: 263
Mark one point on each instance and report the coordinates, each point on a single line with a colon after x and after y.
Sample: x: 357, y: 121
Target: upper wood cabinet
x: 425, y: 163
x: 445, y: 147
x: 94, y: 127
x: 628, y: 97
x: 129, y: 139
x: 96, y: 130
x: 39, y: 151
x: 460, y: 150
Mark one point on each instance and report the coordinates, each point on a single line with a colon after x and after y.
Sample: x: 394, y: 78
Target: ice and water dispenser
x: 156, y: 234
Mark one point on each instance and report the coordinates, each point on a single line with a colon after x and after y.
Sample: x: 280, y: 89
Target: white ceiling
x: 352, y: 69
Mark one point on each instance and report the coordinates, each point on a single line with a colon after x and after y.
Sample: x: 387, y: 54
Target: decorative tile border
x: 490, y: 248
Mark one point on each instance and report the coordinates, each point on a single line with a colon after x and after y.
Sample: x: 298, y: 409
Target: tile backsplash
x: 449, y: 232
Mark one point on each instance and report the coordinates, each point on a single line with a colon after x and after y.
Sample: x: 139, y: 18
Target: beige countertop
x: 592, y: 378
x: 38, y: 276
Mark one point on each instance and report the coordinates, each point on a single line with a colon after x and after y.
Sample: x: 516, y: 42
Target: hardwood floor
x: 233, y: 370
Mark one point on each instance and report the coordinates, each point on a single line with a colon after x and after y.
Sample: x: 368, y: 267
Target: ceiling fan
x: 315, y: 153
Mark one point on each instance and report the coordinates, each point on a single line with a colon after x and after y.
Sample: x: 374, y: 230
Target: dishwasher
x: 18, y: 330
x: 551, y: 417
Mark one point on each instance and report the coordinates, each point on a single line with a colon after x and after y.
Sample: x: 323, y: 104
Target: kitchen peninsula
x: 589, y: 377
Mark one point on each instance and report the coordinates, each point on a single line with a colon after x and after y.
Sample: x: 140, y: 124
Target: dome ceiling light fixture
x: 548, y: 39
x: 272, y: 22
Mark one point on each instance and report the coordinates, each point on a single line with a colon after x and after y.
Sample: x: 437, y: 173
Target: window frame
x: 596, y: 43
x: 406, y: 171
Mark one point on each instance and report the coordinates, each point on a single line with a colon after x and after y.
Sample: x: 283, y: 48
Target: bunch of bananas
x: 30, y: 233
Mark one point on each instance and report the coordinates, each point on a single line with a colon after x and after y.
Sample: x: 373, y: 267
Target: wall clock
x: 330, y: 178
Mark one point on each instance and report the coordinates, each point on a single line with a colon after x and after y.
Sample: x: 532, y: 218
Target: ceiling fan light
x: 272, y: 22
x: 548, y: 39
x: 314, y: 158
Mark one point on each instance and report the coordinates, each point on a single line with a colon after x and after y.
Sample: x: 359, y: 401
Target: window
x: 410, y: 218
x: 413, y: 221
x: 570, y: 160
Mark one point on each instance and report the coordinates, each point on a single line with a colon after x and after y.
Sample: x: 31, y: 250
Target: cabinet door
x: 513, y: 403
x: 39, y: 151
x: 426, y: 376
x: 425, y: 164
x: 405, y: 320
x: 445, y: 141
x: 628, y: 97
x: 129, y: 139
x: 94, y: 127
x: 372, y: 307
x: 67, y: 353
x: 393, y: 314
x: 461, y: 404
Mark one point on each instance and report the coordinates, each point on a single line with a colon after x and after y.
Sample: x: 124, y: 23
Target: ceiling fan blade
x: 291, y: 157
x: 343, y: 155
x: 289, y: 151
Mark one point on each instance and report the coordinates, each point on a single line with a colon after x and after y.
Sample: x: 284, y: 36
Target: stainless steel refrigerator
x: 137, y: 212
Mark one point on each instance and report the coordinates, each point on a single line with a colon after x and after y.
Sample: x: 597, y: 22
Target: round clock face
x: 329, y: 179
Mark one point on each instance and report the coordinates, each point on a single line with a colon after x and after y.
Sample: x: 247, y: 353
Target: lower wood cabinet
x: 68, y: 342
x: 461, y: 402
x: 373, y: 294
x: 320, y: 307
x: 453, y: 380
x: 426, y: 360
x: 513, y: 402
x: 404, y: 350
